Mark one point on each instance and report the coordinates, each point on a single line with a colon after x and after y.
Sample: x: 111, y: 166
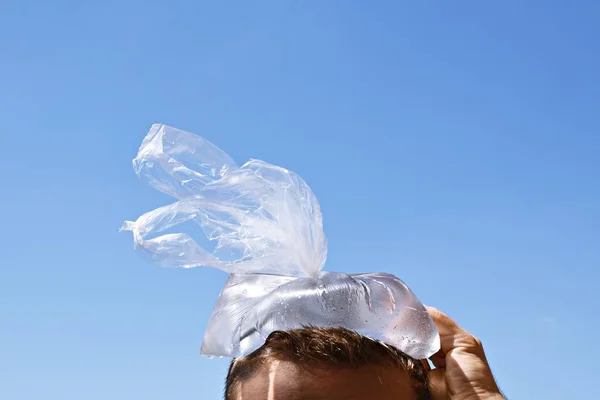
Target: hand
x: 462, y: 371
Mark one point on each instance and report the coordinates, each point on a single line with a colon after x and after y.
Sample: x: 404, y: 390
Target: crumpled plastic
x: 266, y: 226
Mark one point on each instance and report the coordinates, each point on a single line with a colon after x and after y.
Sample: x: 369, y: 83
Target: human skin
x: 283, y: 380
x: 462, y: 373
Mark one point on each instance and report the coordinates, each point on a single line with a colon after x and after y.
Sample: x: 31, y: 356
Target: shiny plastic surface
x: 267, y: 229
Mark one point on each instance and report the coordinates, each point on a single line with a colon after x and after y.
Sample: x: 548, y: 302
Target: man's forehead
x: 282, y: 380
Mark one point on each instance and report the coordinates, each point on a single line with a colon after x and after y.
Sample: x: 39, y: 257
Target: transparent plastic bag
x: 267, y: 228
x: 380, y: 306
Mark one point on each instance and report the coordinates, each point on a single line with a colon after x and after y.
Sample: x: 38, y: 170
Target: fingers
x: 451, y: 334
x: 445, y: 324
x: 461, y: 365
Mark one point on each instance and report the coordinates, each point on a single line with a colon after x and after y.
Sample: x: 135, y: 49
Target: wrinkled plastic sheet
x: 266, y: 228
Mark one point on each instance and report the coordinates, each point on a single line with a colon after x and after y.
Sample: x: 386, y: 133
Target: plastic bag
x: 267, y: 229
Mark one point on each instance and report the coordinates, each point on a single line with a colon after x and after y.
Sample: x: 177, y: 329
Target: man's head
x: 326, y: 364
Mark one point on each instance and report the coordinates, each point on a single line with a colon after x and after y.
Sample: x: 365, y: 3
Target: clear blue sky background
x: 453, y: 143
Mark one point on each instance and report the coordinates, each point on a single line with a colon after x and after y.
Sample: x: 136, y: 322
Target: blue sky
x: 453, y: 144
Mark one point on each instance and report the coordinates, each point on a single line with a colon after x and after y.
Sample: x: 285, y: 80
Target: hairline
x: 388, y: 357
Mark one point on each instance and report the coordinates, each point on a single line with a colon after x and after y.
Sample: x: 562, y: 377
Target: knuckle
x: 472, y: 342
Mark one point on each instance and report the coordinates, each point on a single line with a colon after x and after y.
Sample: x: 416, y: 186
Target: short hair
x: 326, y: 347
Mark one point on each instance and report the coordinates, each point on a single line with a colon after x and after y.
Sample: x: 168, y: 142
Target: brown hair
x: 328, y: 347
